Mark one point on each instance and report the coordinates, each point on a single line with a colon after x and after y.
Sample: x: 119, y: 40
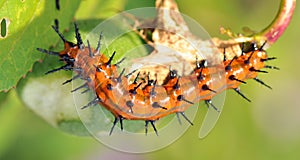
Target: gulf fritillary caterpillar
x: 148, y: 100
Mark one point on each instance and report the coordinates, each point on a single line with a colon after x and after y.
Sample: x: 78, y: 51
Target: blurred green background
x: 267, y: 128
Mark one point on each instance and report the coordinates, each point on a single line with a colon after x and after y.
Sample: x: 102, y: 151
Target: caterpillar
x: 132, y: 97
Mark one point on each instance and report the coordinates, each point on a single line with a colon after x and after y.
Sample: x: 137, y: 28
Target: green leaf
x: 3, y: 96
x: 10, y: 109
x: 27, y: 27
x: 75, y: 127
x: 99, y: 9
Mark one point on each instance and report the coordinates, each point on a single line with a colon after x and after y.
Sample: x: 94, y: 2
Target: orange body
x: 141, y: 101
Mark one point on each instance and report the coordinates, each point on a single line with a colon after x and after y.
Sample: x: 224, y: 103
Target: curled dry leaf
x: 173, y: 38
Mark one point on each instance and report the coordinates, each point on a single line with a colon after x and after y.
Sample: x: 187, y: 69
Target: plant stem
x: 279, y: 24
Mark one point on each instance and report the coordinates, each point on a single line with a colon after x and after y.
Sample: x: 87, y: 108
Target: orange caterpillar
x: 134, y: 99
